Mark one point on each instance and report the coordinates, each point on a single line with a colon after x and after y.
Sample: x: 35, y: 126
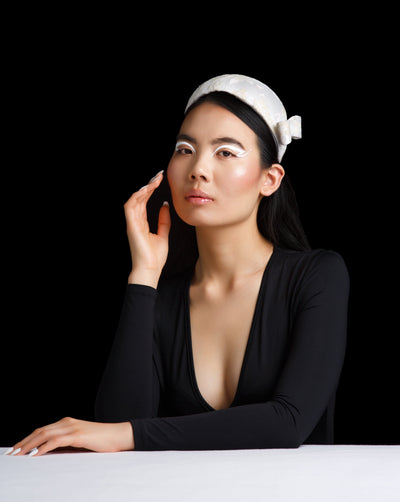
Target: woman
x: 233, y: 337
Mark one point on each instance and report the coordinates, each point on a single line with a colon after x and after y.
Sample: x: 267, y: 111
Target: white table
x: 339, y: 473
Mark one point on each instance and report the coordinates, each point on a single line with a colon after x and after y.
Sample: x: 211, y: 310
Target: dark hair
x: 278, y: 215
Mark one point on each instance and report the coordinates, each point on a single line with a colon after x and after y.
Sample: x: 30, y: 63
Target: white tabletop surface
x: 338, y: 473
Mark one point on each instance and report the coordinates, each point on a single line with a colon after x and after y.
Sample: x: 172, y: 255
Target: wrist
x: 124, y: 433
x: 144, y: 277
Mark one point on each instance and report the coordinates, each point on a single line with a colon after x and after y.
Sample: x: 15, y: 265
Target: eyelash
x: 184, y: 151
x: 222, y: 153
x: 237, y: 152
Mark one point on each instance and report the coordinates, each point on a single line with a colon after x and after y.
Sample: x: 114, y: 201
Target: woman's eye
x: 184, y: 151
x: 225, y: 153
x: 230, y: 151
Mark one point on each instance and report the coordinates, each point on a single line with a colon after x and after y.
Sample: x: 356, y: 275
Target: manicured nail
x: 7, y: 452
x: 33, y: 452
x: 16, y: 451
x: 156, y: 176
x: 165, y: 203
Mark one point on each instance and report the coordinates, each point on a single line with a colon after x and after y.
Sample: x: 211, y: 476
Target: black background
x: 94, y: 103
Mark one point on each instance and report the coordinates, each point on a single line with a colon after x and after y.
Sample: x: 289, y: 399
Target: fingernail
x: 156, y: 176
x: 16, y: 451
x: 165, y: 203
x: 33, y: 452
x: 7, y: 452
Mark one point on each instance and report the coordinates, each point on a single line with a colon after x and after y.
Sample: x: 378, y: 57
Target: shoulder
x: 315, y: 271
x: 304, y: 262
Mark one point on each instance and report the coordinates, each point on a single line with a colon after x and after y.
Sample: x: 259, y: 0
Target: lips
x: 198, y: 197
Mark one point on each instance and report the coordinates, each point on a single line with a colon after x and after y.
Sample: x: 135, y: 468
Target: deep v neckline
x: 188, y: 336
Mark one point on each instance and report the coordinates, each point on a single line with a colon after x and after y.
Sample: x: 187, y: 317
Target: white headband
x: 262, y: 99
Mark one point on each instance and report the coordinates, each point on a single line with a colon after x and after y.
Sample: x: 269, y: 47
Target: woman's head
x: 219, y: 154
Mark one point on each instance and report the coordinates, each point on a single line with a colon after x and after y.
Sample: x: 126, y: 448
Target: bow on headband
x: 289, y: 129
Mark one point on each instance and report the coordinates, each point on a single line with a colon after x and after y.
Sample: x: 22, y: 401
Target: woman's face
x: 215, y: 173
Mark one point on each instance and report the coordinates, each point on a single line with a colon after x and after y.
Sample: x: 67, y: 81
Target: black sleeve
x: 130, y: 384
x: 307, y: 382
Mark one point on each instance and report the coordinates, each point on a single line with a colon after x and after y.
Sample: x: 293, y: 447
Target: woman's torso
x: 254, y: 355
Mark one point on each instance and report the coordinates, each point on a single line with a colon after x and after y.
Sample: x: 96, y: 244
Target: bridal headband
x: 262, y: 99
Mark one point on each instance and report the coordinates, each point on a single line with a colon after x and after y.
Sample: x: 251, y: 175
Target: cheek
x: 175, y: 179
x: 241, y: 179
x: 172, y: 174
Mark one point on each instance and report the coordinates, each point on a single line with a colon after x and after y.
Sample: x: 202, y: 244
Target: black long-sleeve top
x: 289, y: 376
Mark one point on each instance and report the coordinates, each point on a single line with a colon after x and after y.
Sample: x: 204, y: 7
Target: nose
x: 199, y: 170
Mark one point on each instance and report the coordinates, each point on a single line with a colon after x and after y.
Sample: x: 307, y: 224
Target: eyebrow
x: 226, y: 139
x: 216, y: 141
x: 185, y: 137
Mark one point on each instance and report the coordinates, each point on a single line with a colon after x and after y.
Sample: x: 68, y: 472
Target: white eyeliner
x: 239, y: 152
x: 185, y: 143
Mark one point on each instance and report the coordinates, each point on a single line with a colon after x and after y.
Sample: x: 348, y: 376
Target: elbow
x: 284, y: 439
x: 295, y: 442
x: 292, y: 439
x: 289, y: 432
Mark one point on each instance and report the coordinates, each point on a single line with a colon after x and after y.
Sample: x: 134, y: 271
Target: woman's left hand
x: 93, y: 436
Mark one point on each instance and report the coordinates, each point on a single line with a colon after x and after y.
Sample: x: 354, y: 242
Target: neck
x: 227, y: 254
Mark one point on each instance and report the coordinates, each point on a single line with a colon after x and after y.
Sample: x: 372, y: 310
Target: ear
x: 272, y: 179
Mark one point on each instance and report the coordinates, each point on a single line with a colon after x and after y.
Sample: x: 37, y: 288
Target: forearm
x: 264, y: 425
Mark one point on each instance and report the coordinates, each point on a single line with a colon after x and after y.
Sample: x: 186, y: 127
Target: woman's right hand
x: 148, y: 251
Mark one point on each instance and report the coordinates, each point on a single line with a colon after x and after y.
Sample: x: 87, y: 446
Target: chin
x: 197, y: 220
x: 197, y: 216
x: 205, y: 217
